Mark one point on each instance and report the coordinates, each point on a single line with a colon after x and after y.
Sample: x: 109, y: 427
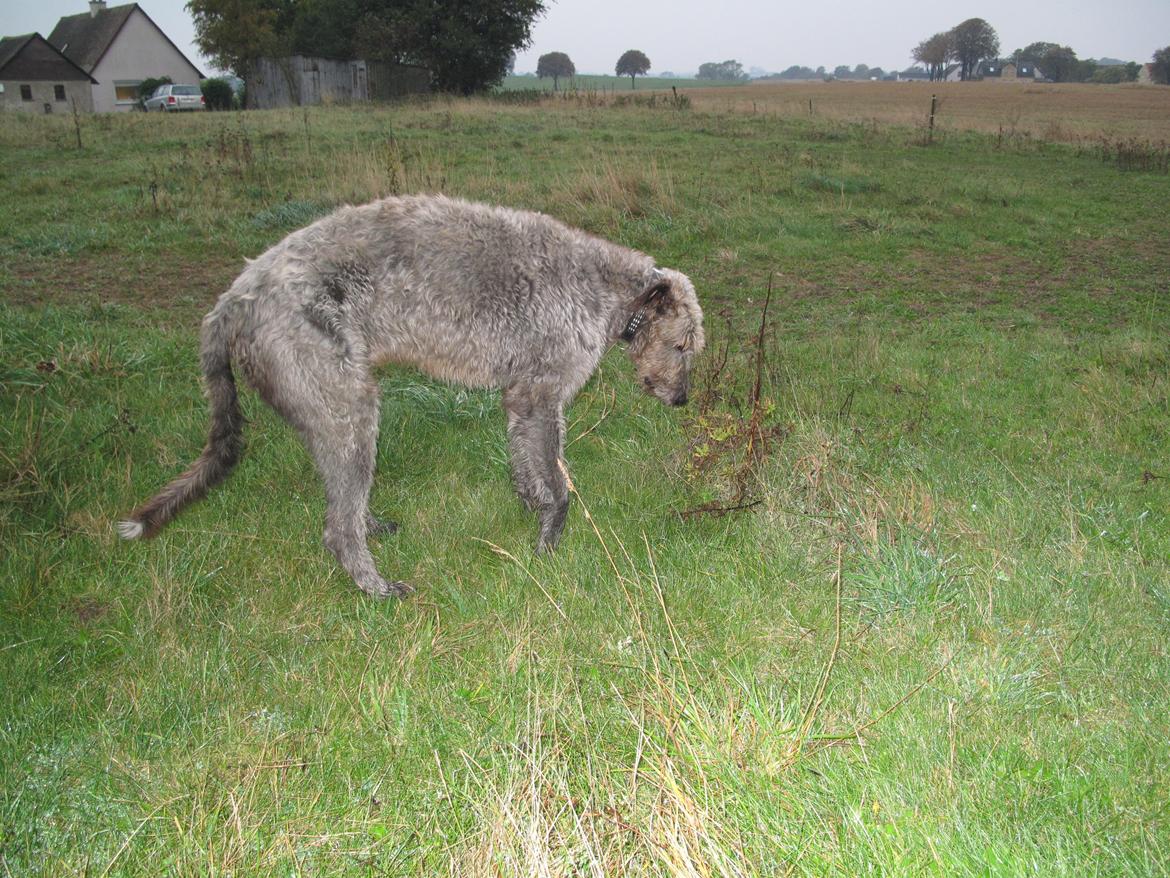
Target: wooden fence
x: 299, y: 81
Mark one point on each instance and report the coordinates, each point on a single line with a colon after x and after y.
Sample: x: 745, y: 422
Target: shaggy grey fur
x: 483, y: 296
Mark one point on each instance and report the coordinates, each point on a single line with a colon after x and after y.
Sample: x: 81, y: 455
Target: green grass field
x: 931, y: 639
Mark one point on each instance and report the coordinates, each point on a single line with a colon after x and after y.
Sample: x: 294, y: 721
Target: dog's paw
x: 383, y: 589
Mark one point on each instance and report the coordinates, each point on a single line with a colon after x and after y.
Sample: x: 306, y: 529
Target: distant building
x: 36, y: 78
x: 120, y: 46
x: 1006, y: 71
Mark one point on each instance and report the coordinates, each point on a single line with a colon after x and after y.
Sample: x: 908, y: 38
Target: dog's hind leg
x: 536, y: 437
x: 334, y: 406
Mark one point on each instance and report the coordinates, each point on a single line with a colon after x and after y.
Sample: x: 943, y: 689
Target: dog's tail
x: 224, y: 442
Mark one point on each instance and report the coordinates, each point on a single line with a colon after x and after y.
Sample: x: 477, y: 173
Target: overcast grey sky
x: 679, y: 35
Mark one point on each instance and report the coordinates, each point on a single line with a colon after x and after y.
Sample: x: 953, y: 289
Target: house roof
x: 11, y: 47
x: 85, y: 38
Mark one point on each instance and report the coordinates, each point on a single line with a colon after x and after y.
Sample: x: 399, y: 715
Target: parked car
x: 171, y: 98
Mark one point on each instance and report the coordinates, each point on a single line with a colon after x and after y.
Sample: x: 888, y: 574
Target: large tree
x: 971, y: 42
x: 234, y: 33
x: 934, y: 53
x: 556, y: 65
x: 465, y: 44
x: 632, y: 63
x: 1161, y: 66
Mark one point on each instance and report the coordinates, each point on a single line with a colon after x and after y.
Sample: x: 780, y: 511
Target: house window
x: 26, y: 92
x: 59, y: 92
x: 126, y: 92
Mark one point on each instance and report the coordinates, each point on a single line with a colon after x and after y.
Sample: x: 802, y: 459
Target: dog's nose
x: 679, y: 398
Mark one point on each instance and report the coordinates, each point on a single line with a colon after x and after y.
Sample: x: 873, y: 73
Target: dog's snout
x: 680, y: 398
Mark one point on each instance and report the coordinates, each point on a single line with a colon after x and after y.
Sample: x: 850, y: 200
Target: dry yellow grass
x: 1048, y: 111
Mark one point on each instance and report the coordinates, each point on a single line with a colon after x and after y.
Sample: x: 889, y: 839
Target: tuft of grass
x: 840, y: 185
x: 290, y: 215
x: 908, y: 574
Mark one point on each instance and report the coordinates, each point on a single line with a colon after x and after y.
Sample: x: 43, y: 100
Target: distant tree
x: 842, y: 71
x: 1058, y: 63
x: 1132, y: 69
x: 1033, y: 53
x: 934, y: 53
x: 556, y: 65
x: 632, y: 63
x: 971, y: 42
x: 821, y: 72
x: 797, y: 71
x: 1161, y: 66
x: 724, y: 71
x: 1084, y: 71
x: 877, y: 73
x: 861, y: 71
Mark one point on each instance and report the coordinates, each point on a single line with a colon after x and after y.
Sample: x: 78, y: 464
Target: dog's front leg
x: 536, y: 438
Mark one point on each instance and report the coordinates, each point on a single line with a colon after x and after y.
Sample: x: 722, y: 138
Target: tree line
x: 974, y: 41
x: 469, y: 45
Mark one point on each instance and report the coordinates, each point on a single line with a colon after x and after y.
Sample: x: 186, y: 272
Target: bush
x: 147, y: 86
x: 217, y: 93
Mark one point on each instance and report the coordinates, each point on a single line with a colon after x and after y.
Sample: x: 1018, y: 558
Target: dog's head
x: 665, y: 333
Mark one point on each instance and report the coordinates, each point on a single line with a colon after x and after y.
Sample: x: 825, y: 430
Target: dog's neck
x: 630, y: 315
x: 639, y: 317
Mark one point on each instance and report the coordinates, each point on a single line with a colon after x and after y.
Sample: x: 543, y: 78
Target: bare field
x: 1069, y: 112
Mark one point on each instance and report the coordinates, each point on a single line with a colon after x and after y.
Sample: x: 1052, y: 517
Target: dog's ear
x: 657, y: 295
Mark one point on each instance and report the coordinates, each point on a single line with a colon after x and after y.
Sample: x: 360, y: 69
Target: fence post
x: 930, y: 125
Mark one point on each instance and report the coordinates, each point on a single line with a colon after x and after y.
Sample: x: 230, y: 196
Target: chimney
x: 96, y: 6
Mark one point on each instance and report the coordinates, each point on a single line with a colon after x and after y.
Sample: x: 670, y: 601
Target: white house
x: 120, y: 46
x: 36, y: 78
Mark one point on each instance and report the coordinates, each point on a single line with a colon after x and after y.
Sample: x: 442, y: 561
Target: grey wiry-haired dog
x: 483, y: 296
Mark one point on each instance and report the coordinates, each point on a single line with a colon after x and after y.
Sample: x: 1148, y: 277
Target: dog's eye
x: 681, y: 348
